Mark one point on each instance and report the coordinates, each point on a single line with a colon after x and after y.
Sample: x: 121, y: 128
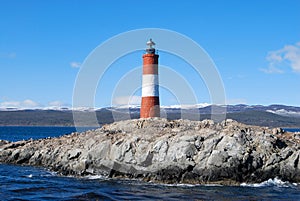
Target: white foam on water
x: 271, y: 182
x: 93, y: 177
x: 49, y: 173
x: 183, y: 185
x: 188, y: 185
x: 213, y: 185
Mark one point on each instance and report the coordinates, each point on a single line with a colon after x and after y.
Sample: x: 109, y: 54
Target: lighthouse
x: 150, y: 94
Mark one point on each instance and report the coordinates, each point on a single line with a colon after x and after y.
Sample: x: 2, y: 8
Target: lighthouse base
x: 150, y: 107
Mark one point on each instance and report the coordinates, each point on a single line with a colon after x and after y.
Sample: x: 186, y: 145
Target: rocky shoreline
x: 158, y: 150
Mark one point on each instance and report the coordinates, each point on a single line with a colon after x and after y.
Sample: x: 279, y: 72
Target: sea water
x: 31, y: 183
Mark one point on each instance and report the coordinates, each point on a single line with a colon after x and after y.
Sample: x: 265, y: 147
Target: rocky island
x: 161, y: 150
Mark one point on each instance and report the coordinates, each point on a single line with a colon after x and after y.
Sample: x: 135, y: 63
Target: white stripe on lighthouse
x: 150, y: 85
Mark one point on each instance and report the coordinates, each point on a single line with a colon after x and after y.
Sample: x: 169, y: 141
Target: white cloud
x: 289, y: 55
x: 234, y: 77
x: 25, y: 104
x: 58, y: 103
x: 272, y: 69
x: 127, y: 100
x: 75, y: 64
x: 11, y: 55
x: 30, y: 104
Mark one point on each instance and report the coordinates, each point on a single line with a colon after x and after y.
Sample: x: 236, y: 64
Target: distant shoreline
x: 36, y: 126
x: 93, y: 126
x: 257, y: 116
x: 46, y: 126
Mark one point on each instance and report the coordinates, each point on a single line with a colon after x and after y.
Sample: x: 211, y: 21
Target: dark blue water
x: 17, y: 133
x: 292, y: 129
x: 30, y: 183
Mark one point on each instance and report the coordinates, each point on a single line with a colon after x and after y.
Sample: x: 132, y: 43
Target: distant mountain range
x: 271, y: 116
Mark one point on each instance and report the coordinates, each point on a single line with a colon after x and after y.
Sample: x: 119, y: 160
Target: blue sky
x: 254, y: 44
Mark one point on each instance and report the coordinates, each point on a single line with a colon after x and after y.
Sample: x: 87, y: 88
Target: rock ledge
x: 179, y: 151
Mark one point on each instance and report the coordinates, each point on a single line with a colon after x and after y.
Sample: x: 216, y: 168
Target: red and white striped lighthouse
x: 150, y: 94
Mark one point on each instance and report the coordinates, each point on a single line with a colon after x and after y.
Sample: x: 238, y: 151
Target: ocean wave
x: 271, y: 182
x: 176, y: 185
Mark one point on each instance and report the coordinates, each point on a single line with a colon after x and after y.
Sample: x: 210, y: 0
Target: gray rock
x: 167, y: 151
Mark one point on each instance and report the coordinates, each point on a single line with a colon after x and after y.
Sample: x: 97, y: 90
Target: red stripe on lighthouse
x: 150, y: 107
x: 150, y: 64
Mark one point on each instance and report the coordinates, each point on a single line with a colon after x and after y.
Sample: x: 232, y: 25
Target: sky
x: 44, y: 45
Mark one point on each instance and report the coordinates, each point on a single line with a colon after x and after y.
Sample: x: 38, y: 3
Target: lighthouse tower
x: 150, y: 93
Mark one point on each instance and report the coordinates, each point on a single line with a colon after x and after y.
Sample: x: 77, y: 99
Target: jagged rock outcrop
x: 179, y: 151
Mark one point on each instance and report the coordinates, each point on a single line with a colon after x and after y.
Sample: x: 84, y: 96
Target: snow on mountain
x: 204, y: 108
x: 195, y: 106
x: 284, y: 112
x: 51, y: 108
